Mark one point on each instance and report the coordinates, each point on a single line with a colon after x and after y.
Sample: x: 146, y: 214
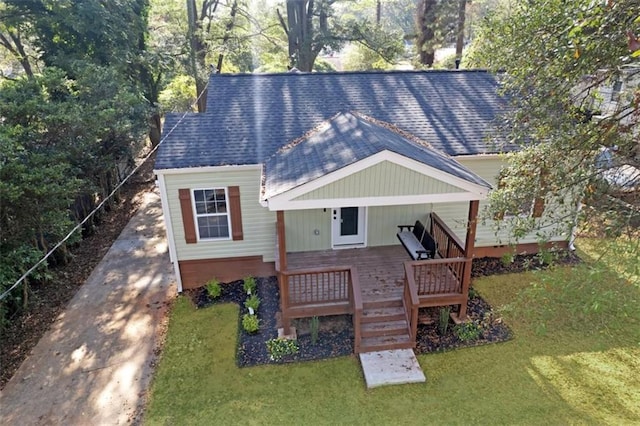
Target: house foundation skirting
x: 530, y: 248
x: 196, y: 273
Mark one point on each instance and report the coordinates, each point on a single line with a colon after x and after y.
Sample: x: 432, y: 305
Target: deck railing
x: 411, y: 303
x: 449, y: 246
x: 437, y: 282
x: 320, y: 291
x: 438, y: 276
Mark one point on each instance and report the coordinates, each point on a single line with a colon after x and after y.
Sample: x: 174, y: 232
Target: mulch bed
x: 335, y: 335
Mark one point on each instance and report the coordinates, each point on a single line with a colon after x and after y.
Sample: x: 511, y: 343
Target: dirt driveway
x: 95, y: 363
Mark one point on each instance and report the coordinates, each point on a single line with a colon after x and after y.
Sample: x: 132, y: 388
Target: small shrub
x: 250, y: 323
x: 249, y: 285
x: 278, y: 348
x: 213, y: 288
x: 467, y: 331
x: 473, y: 293
x: 443, y: 320
x: 314, y: 326
x: 252, y: 302
x: 507, y: 259
x: 547, y: 257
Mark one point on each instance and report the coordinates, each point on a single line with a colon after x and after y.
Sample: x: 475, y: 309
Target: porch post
x: 282, y: 278
x: 282, y: 245
x: 468, y: 254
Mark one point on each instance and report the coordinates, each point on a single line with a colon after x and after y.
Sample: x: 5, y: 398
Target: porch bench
x: 417, y: 242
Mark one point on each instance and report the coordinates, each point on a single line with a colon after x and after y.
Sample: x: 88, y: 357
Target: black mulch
x: 335, y: 336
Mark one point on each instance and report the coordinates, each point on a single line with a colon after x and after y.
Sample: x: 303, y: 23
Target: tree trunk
x: 426, y: 20
x: 155, y: 128
x: 227, y: 33
x: 18, y: 52
x: 460, y: 38
x: 197, y: 55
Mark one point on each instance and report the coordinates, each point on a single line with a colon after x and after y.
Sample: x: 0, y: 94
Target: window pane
x: 198, y: 195
x: 220, y: 194
x: 213, y: 227
x: 211, y: 206
x: 201, y: 207
x: 221, y: 207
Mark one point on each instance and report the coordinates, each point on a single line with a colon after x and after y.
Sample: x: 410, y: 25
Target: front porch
x: 381, y: 287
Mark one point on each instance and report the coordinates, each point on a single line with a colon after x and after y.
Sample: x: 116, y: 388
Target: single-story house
x: 307, y: 176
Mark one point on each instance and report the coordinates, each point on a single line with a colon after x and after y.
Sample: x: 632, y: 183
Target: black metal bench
x: 417, y: 241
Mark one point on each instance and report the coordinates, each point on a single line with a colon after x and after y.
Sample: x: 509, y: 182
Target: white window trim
x: 196, y: 215
x: 522, y: 214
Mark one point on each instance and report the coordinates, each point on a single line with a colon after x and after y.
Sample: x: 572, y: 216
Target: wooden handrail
x: 411, y: 299
x: 356, y: 302
x: 321, y: 291
x: 438, y: 276
x: 436, y: 261
x: 451, y: 236
x: 339, y: 268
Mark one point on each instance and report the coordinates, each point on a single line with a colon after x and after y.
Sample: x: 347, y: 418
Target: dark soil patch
x: 335, y: 335
x: 48, y: 300
x: 491, y: 265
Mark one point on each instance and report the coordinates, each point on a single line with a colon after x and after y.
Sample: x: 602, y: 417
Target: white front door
x: 348, y: 226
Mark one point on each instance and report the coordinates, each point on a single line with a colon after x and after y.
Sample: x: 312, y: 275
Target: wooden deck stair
x: 384, y: 326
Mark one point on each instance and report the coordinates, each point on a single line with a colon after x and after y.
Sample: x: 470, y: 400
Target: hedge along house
x: 309, y: 175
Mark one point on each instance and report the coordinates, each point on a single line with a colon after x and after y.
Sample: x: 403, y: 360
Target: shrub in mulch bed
x: 335, y: 335
x: 525, y: 262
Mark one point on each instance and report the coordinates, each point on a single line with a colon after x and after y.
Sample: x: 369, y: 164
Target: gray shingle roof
x: 249, y: 117
x: 342, y: 141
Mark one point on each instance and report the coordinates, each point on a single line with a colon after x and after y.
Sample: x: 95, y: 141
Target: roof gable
x: 361, y: 183
x: 250, y: 117
x: 384, y: 179
x: 345, y: 140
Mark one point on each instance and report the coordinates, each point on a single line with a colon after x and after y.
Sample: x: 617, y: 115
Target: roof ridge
x: 362, y: 72
x: 421, y: 143
x: 306, y: 135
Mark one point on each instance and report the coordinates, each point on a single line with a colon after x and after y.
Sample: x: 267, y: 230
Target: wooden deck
x: 380, y: 269
x: 381, y: 287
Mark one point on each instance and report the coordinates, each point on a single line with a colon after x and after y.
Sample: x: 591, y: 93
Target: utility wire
x: 111, y: 194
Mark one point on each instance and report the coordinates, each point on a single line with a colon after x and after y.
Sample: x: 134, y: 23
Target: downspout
x: 574, y: 228
x: 173, y: 256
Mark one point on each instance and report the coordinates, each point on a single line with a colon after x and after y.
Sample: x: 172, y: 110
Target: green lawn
x: 575, y: 359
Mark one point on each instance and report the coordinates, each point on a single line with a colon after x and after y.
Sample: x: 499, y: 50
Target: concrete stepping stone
x: 393, y: 367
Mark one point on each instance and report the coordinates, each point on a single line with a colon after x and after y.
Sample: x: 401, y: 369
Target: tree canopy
x: 554, y: 59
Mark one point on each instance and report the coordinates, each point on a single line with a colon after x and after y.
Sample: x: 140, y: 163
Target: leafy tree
x: 361, y: 58
x: 556, y: 56
x: 312, y: 26
x: 13, y: 26
x: 437, y: 23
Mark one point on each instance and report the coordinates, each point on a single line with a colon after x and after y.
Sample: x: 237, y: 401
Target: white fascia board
x: 479, y: 190
x: 207, y: 169
x: 281, y: 204
x: 166, y: 214
x: 491, y: 156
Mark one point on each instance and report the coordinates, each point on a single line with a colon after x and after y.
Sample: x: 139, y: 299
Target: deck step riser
x: 382, y: 318
x: 392, y: 303
x: 392, y: 328
x: 384, y: 332
x: 387, y: 347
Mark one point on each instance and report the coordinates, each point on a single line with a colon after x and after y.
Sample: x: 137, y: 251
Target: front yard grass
x: 574, y: 360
